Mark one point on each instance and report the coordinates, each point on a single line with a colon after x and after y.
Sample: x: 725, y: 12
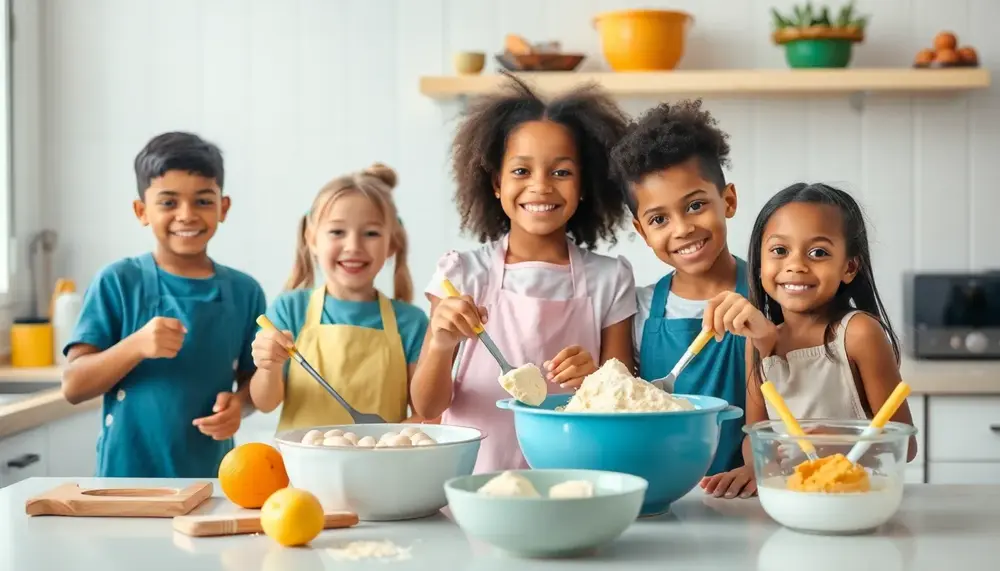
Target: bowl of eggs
x: 382, y: 472
x: 546, y: 513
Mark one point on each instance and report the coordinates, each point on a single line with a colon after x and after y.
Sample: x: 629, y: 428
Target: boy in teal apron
x: 671, y: 163
x: 163, y: 337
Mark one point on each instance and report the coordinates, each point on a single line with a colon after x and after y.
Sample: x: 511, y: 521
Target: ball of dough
x: 352, y: 437
x: 509, y: 484
x: 337, y: 441
x: 382, y: 444
x: 388, y: 436
x: 421, y: 437
x: 409, y: 431
x: 572, y: 489
x: 312, y: 436
x: 399, y: 441
x: 425, y: 442
x: 367, y: 442
x: 334, y: 432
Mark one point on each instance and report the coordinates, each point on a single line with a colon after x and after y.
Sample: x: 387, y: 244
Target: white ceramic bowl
x: 544, y: 527
x: 381, y: 484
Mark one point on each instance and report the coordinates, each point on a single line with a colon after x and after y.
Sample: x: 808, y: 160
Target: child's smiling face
x: 184, y: 210
x: 804, y: 256
x: 682, y: 216
x: 539, y: 184
x: 350, y: 240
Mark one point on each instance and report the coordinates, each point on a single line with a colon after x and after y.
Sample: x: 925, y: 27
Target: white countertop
x: 937, y: 527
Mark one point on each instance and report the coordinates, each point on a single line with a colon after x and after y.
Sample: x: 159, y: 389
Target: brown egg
x: 947, y: 57
x: 945, y: 41
x: 968, y: 55
x: 924, y: 57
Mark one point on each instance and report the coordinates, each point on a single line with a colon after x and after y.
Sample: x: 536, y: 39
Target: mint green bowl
x: 543, y: 527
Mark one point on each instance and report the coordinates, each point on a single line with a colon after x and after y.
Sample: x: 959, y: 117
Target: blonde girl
x: 363, y: 343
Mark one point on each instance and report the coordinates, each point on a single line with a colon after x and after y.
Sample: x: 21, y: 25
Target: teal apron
x: 718, y: 371
x: 147, y: 430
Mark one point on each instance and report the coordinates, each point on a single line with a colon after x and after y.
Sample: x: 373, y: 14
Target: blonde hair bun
x: 382, y: 172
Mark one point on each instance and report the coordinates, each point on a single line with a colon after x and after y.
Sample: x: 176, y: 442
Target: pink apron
x: 526, y: 330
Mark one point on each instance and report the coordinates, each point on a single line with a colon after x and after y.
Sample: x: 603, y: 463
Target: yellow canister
x: 31, y: 342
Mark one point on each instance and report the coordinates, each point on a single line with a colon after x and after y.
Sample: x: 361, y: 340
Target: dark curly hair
x: 591, y: 116
x: 668, y: 135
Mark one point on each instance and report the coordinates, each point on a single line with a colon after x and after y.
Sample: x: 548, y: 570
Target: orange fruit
x: 250, y: 473
x: 292, y: 517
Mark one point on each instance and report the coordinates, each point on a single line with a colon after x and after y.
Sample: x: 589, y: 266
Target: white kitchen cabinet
x: 24, y: 455
x: 967, y: 473
x: 72, y: 444
x: 963, y: 439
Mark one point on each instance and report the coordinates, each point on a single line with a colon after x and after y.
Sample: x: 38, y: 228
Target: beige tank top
x: 812, y: 384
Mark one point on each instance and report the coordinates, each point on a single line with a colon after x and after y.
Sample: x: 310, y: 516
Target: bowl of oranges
x: 946, y: 52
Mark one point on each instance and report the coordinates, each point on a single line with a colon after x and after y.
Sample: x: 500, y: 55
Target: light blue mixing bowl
x: 544, y: 527
x: 670, y: 450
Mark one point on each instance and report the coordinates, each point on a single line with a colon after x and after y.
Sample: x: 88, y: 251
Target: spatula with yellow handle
x: 483, y: 335
x: 889, y: 408
x: 358, y: 417
x: 529, y: 388
x: 772, y: 396
x: 667, y: 383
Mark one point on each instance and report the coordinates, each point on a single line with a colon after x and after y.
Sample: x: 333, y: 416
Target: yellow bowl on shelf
x: 643, y: 40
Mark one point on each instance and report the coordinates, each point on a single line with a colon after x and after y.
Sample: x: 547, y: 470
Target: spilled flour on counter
x: 358, y: 550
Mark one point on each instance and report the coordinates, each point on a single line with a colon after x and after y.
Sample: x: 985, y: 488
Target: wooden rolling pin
x: 238, y: 524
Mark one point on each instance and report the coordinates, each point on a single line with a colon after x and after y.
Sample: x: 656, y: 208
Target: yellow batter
x: 832, y: 474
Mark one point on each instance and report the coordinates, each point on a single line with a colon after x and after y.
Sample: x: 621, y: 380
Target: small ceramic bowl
x: 469, y: 63
x: 544, y: 527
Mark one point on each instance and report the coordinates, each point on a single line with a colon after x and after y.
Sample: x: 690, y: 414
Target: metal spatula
x: 667, y: 383
x: 359, y: 417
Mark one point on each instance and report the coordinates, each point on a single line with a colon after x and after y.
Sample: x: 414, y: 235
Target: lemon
x: 292, y: 517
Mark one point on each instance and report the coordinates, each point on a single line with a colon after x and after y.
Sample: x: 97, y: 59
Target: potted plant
x: 813, y: 39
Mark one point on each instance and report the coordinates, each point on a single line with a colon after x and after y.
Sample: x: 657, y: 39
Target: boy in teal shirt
x: 671, y: 163
x: 164, y: 336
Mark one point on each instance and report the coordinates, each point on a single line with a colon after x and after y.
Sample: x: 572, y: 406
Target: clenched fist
x: 161, y: 338
x: 455, y: 319
x: 270, y: 349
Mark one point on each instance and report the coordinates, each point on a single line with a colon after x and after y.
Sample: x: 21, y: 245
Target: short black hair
x: 668, y: 135
x: 181, y: 151
x: 596, y: 124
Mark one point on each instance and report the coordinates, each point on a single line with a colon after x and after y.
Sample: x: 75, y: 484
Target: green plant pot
x: 818, y: 53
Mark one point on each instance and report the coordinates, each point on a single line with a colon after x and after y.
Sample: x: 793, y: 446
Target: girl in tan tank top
x: 818, y: 329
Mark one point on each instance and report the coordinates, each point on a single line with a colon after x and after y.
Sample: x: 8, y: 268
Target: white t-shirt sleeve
x: 467, y: 271
x: 619, y: 302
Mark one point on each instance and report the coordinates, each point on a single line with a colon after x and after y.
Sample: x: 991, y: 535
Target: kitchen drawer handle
x: 995, y: 428
x: 29, y: 459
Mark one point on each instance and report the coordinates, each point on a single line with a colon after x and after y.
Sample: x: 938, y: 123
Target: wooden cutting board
x: 71, y: 500
x: 235, y: 524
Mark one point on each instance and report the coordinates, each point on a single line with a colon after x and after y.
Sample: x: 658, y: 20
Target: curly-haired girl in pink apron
x: 534, y: 185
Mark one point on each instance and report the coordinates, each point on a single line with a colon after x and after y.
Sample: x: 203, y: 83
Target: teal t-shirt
x: 288, y: 313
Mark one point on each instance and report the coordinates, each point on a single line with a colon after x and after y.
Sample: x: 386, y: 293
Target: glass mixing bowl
x: 776, y: 454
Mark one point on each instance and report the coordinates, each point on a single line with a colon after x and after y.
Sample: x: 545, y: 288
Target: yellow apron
x: 366, y: 366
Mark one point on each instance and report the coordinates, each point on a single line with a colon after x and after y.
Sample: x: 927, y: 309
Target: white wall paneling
x: 299, y: 91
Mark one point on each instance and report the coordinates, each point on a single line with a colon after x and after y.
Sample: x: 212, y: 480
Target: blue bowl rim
x: 517, y: 406
x: 641, y: 483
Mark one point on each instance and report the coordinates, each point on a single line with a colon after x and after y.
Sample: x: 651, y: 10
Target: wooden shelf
x: 730, y: 83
